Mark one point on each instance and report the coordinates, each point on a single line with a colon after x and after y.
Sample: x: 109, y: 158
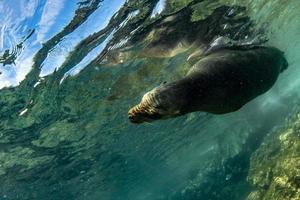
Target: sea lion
x: 221, y: 82
x: 222, y: 42
x: 175, y: 34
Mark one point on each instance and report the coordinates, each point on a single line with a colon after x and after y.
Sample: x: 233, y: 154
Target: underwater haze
x: 71, y: 70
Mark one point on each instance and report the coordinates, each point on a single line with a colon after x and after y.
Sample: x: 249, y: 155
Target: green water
x: 68, y: 137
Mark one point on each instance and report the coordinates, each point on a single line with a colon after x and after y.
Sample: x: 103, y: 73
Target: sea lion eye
x: 159, y: 107
x: 163, y: 83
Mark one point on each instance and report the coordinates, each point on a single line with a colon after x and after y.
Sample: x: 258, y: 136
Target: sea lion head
x: 155, y: 104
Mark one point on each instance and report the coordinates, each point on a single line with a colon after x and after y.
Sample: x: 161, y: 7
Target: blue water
x: 66, y: 90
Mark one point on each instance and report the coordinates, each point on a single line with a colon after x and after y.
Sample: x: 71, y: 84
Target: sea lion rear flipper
x: 195, y: 56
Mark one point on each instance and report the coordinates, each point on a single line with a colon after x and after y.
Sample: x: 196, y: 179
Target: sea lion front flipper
x: 195, y: 56
x: 219, y: 43
x: 228, y: 43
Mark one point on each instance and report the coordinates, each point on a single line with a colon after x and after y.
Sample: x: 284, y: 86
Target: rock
x: 275, y: 166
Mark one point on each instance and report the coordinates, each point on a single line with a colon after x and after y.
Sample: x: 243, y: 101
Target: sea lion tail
x: 284, y: 64
x: 280, y: 57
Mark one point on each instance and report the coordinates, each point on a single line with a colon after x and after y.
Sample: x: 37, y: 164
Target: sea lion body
x: 221, y: 82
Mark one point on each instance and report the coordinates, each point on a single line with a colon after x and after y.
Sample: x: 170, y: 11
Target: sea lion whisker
x: 148, y: 123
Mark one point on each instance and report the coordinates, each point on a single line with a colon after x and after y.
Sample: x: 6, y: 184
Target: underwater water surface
x: 70, y: 71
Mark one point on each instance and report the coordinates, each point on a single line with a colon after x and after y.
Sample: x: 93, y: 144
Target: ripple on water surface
x: 72, y: 140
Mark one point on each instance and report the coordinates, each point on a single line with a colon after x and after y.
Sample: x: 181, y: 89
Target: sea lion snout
x: 155, y: 104
x: 133, y: 118
x: 144, y: 111
x: 148, y: 109
x: 138, y: 114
